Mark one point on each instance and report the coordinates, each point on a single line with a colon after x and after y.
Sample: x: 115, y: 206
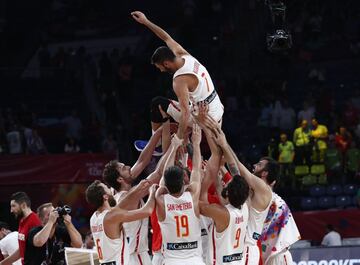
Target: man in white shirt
x: 8, y: 242
x: 332, y: 238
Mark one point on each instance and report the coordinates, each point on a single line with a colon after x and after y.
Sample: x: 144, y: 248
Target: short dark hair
x: 330, y: 227
x: 174, y: 179
x: 237, y: 191
x: 40, y: 209
x: 162, y: 54
x: 272, y: 167
x: 94, y: 194
x: 4, y: 225
x: 111, y: 174
x: 20, y: 197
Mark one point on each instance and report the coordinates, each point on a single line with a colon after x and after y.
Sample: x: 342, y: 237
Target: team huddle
x: 202, y: 212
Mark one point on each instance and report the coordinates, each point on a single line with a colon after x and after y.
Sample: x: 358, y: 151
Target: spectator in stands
x: 14, y: 140
x: 47, y: 242
x: 301, y: 140
x: 320, y: 135
x: 287, y: 117
x: 307, y: 113
x: 109, y: 145
x: 88, y: 241
x: 286, y: 156
x: 343, y: 140
x: 71, y: 146
x: 73, y: 125
x: 35, y: 144
x: 8, y: 242
x: 332, y: 238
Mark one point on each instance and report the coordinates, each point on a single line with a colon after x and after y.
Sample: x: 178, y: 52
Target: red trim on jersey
x: 247, y: 256
x: 123, y: 248
x: 173, y: 104
x: 214, y: 247
x: 260, y: 252
x: 285, y: 259
x: 207, y: 84
x: 138, y: 238
x: 156, y: 236
x: 139, y: 257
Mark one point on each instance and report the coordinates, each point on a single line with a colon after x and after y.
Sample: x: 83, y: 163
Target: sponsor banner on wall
x: 326, y: 256
x: 41, y: 169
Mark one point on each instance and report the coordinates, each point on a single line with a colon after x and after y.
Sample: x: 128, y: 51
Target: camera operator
x: 46, y: 244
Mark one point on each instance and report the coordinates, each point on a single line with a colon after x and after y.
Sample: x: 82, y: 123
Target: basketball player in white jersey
x: 229, y: 220
x: 192, y: 85
x: 106, y: 222
x: 191, y: 81
x: 137, y: 231
x: 178, y: 211
x: 259, y: 200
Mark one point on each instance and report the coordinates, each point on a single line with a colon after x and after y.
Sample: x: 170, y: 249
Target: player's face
x: 259, y: 168
x: 165, y: 67
x: 16, y: 210
x: 108, y: 192
x: 124, y: 171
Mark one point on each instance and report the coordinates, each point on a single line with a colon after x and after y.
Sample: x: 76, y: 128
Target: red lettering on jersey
x: 179, y: 207
x: 239, y: 220
x: 96, y: 228
x: 196, y: 67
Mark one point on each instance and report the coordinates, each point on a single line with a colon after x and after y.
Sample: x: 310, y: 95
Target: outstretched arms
x: 176, y: 48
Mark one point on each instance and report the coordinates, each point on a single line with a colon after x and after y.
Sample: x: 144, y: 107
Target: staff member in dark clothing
x: 46, y: 244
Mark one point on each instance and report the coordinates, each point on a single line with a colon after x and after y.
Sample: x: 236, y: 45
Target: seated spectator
x: 88, y: 241
x: 332, y: 238
x: 73, y: 125
x: 71, y: 146
x: 343, y: 140
x: 35, y: 144
x: 333, y: 161
x: 8, y: 242
x: 320, y: 135
x: 301, y: 140
x: 13, y: 138
x: 352, y: 158
x: 109, y: 145
x: 286, y: 156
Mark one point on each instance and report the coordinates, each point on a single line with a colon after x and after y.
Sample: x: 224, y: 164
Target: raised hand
x: 153, y: 189
x: 176, y: 141
x: 196, y: 134
x: 219, y: 137
x: 139, y: 17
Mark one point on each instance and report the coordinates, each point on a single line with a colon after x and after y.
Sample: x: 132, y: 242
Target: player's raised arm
x: 181, y: 90
x: 176, y: 48
x: 195, y: 178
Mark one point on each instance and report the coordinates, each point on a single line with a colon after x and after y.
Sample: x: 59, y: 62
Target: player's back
x: 181, y: 231
x: 227, y: 247
x: 109, y: 250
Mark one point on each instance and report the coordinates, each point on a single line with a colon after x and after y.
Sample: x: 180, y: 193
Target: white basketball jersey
x: 181, y: 230
x: 109, y: 250
x: 227, y: 247
x: 136, y: 232
x: 205, y: 85
x: 206, y: 224
x: 256, y: 224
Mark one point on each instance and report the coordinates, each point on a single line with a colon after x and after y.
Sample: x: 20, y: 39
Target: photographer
x: 46, y: 244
